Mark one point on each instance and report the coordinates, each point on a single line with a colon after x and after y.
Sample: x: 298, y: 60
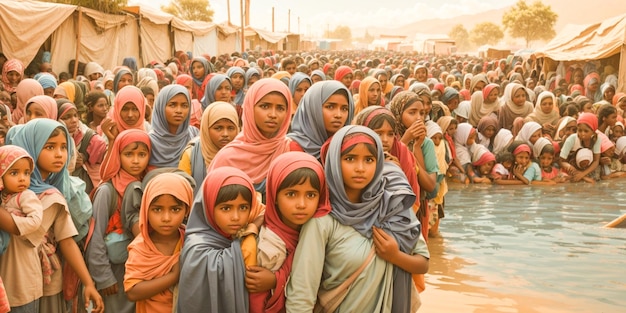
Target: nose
x: 338, y: 112
x: 167, y: 216
x: 300, y: 203
x: 360, y: 166
x: 224, y: 133
x: 235, y: 215
x: 272, y: 112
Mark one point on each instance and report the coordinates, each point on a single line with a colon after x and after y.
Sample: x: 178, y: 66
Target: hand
x: 79, y: 160
x: 109, y: 129
x: 391, y: 158
x: 605, y: 161
x: 111, y: 290
x: 259, y: 279
x: 91, y: 294
x: 578, y: 176
x: 385, y: 245
x: 419, y: 132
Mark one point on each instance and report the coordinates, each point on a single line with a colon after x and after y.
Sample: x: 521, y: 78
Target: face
x: 609, y: 152
x: 479, y: 86
x: 584, y: 164
x: 618, y: 131
x: 291, y: 68
x: 546, y: 160
x: 198, y: 70
x: 588, y: 108
x: 486, y: 168
x: 108, y: 85
x: 531, y: 84
x: 535, y: 136
x: 130, y: 113
x: 593, y: 87
x: 493, y: 95
x: 611, y: 119
x: 17, y: 178
x: 125, y: 80
x: 453, y: 104
x: 13, y: 77
x: 231, y: 216
x: 297, y: 204
x: 34, y: 110
x: 335, y: 113
x: 237, y: 81
x: 519, y: 98
x: 314, y: 66
x: 188, y: 85
x: 400, y: 81
x: 578, y: 77
x: 270, y: 113
x: 451, y: 131
x: 584, y: 132
x: 316, y: 78
x: 413, y: 113
x: 522, y: 158
x: 222, y: 132
x: 165, y: 215
x: 252, y: 80
x: 48, y: 92
x: 223, y: 92
x: 471, y: 139
x: 507, y: 164
x: 383, y: 81
x: 53, y: 155
x: 428, y: 104
x: 421, y: 75
x: 547, y: 105
x: 134, y: 158
x: 373, y: 94
x: 622, y: 104
x: 176, y: 111
x: 386, y: 134
x: 570, y: 128
x: 608, y: 94
x: 357, y: 167
x: 437, y: 139
x: 100, y: 108
x: 150, y: 99
x: 347, y: 80
x: 300, y: 91
x: 71, y: 120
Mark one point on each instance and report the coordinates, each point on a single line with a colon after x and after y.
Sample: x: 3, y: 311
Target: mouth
x: 58, y: 164
x: 358, y: 179
x: 271, y: 124
x: 300, y: 216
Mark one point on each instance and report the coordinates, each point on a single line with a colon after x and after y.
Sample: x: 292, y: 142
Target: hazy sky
x: 316, y: 15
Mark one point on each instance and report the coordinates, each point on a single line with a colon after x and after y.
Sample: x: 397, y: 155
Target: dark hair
x: 231, y: 192
x: 378, y: 121
x: 547, y: 149
x: 505, y: 156
x: 370, y: 147
x: 453, y: 122
x: 90, y: 100
x: 568, y: 108
x: 147, y: 91
x: 604, y: 111
x: 137, y: 145
x: 342, y: 92
x: 299, y: 177
x: 178, y: 201
x: 286, y: 61
x: 57, y: 131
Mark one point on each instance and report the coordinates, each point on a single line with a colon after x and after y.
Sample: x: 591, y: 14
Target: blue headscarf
x: 205, y: 64
x: 319, y: 73
x: 46, y: 80
x: 296, y: 79
x: 240, y: 94
x: 117, y: 78
x: 307, y: 127
x: 32, y: 136
x: 131, y: 63
x: 167, y: 147
x: 251, y: 72
x: 211, y: 87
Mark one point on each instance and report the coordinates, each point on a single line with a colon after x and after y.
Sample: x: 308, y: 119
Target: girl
x: 12, y: 74
x: 124, y: 77
x: 567, y: 126
x: 585, y: 137
x: 296, y: 189
x: 219, y: 127
x: 449, y: 126
x: 370, y: 214
x: 211, y: 262
x: 617, y: 131
x: 252, y: 75
x: 607, y: 117
x: 544, y: 113
x: 524, y: 171
x: 41, y: 107
x: 592, y: 87
x: 370, y: 93
x: 317, y: 76
x: 127, y: 113
x: 26, y: 90
x: 515, y: 105
x: 236, y: 75
x: 97, y: 108
x: 127, y: 163
x: 483, y: 162
x: 324, y: 109
x: 21, y: 216
x: 298, y: 85
x: 464, y: 139
x: 530, y: 132
x: 267, y: 108
x: 153, y: 266
x: 218, y: 88
x: 344, y: 75
x: 47, y: 142
x: 485, y: 103
x: 544, y: 153
x: 444, y: 159
x: 487, y: 129
x: 170, y: 132
x: 200, y: 68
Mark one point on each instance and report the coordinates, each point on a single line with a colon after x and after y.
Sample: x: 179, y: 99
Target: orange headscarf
x: 362, y: 102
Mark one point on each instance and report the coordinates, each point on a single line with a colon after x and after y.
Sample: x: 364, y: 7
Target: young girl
x: 544, y: 113
x: 47, y: 142
x: 12, y: 74
x: 502, y: 169
x: 236, y: 75
x: 443, y: 154
x: 543, y: 150
x: 464, y: 139
x: 21, y: 217
x: 585, y: 137
x: 298, y: 85
x: 152, y: 268
x: 219, y: 126
x: 529, y: 133
x: 127, y: 163
x: 370, y: 93
x: 370, y: 215
x: 124, y: 77
x: 296, y: 192
x: 211, y: 262
x: 25, y: 90
x: 487, y: 129
x: 324, y: 109
x: 128, y: 113
x: 170, y: 132
x: 97, y: 108
x: 524, y: 171
x: 218, y: 88
x: 483, y: 162
x: 485, y: 103
x: 515, y: 105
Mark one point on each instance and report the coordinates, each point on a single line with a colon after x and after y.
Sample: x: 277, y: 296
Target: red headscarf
x: 123, y: 96
x: 342, y: 71
x: 11, y: 65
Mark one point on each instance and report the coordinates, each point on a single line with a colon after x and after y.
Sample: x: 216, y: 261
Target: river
x: 529, y: 249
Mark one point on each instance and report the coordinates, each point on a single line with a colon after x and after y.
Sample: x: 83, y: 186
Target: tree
x: 486, y: 33
x: 191, y: 10
x: 341, y: 32
x: 109, y: 6
x: 461, y: 37
x: 534, y: 22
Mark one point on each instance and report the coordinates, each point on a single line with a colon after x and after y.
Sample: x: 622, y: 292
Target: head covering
x: 295, y: 80
x: 479, y: 107
x: 183, y: 79
x: 464, y: 130
x: 397, y: 106
x: 482, y: 155
x: 213, y: 113
x: 167, y: 147
x: 539, y: 116
x: 476, y: 79
x: 251, y: 151
x: 47, y: 81
x: 133, y: 95
x: 605, y: 143
x: 562, y: 124
x: 385, y: 203
x: 145, y: 260
x: 342, y: 71
x: 433, y: 128
x: 48, y: 104
x: 539, y: 145
x: 149, y: 82
x: 251, y: 72
x: 11, y: 65
x: 448, y: 94
x: 92, y: 68
x: 130, y: 62
x: 502, y: 140
x: 318, y: 73
x: 118, y: 77
x: 522, y: 148
x: 9, y: 154
x: 239, y: 93
x: 211, y: 88
x: 527, y: 131
x: 584, y: 154
x: 363, y: 102
x: 590, y: 119
x: 111, y: 168
x: 617, y: 97
x: 25, y: 90
x: 308, y: 128
x: 463, y: 110
x: 212, y: 268
x: 620, y: 146
x: 32, y: 136
x: 146, y: 72
x: 590, y: 79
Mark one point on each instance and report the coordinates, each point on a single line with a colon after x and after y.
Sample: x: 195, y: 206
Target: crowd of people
x: 267, y: 182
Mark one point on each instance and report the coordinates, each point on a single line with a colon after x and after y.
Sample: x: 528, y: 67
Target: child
x: 364, y: 191
x: 464, y: 140
x: 543, y: 151
x: 449, y: 127
x: 585, y: 137
x: 442, y: 152
x: 504, y: 163
x: 483, y: 162
x: 487, y: 129
x: 296, y: 192
x: 617, y: 131
x: 211, y: 262
x: 47, y: 142
x: 126, y: 163
x: 524, y: 171
x: 584, y: 158
x: 152, y: 269
x: 607, y: 155
x: 619, y: 157
x: 21, y: 216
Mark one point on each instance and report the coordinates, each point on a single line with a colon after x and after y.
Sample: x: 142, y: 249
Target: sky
x: 318, y: 15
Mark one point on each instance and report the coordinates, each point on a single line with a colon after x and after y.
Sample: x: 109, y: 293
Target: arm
x: 426, y: 180
x: 7, y: 223
x: 29, y: 225
x: 74, y: 258
x: 149, y: 288
x: 596, y: 161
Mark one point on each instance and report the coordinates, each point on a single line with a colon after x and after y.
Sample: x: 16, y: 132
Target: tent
x: 595, y: 41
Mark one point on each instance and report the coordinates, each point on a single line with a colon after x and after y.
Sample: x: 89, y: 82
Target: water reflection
x: 529, y: 249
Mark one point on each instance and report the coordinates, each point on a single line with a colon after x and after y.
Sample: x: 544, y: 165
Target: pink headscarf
x: 589, y: 119
x: 251, y: 151
x: 11, y: 65
x: 48, y: 104
x: 342, y: 71
x: 123, y: 96
x: 10, y: 154
x: 24, y: 91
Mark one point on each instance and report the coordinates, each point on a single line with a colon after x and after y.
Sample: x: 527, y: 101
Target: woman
x: 515, y: 105
x: 370, y: 93
x: 545, y: 113
x: 200, y: 68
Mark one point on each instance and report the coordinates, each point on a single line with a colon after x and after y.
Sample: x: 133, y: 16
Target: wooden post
x: 80, y: 19
x: 228, y: 10
x: 272, y: 19
x: 243, y: 35
x: 289, y: 21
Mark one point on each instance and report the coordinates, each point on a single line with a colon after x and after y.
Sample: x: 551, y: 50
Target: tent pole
x: 243, y: 35
x: 80, y: 19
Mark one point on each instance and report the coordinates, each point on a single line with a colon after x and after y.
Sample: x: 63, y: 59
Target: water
x: 529, y: 249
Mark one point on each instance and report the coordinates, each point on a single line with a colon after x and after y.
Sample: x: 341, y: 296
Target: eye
x: 225, y: 208
x: 156, y: 209
x: 177, y: 209
x: 244, y: 208
x: 311, y: 195
x: 290, y: 194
